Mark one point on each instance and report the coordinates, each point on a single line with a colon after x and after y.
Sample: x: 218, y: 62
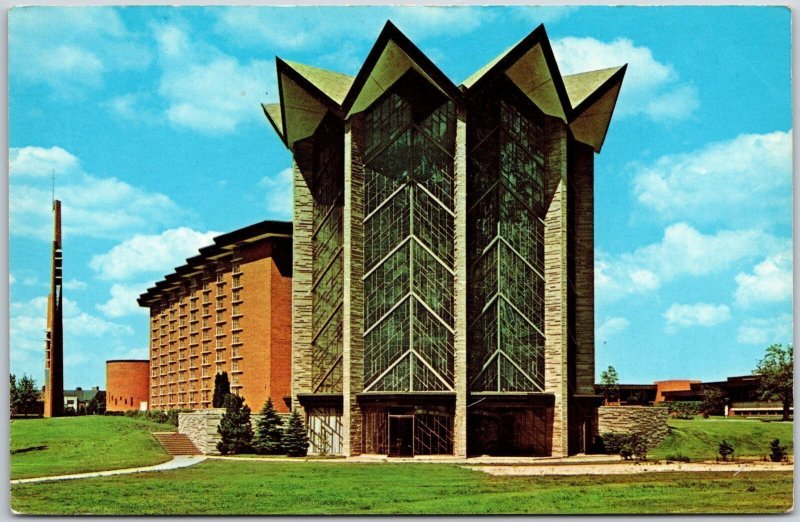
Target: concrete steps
x: 176, y: 443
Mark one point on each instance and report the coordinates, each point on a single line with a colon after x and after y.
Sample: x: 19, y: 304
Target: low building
x: 127, y: 384
x: 228, y: 309
x: 741, y: 394
x: 78, y: 398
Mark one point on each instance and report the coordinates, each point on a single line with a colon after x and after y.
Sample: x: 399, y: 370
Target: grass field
x: 57, y: 446
x: 699, y: 438
x: 226, y: 487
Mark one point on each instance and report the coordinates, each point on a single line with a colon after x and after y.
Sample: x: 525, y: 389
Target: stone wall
x: 201, y: 427
x: 648, y: 421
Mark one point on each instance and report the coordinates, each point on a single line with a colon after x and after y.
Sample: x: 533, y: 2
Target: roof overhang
x: 585, y: 101
x: 389, y: 59
x: 306, y: 95
x: 591, y: 115
x: 531, y: 65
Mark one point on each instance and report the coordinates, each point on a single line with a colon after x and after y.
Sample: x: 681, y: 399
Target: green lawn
x: 56, y: 446
x: 240, y: 488
x: 699, y: 438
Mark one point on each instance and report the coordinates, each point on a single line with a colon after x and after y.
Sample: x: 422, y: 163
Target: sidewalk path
x: 175, y: 463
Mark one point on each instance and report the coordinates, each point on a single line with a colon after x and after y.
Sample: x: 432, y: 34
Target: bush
x: 678, y: 458
x: 628, y: 445
x: 157, y: 416
x: 684, y: 409
x: 725, y: 449
x: 295, y: 441
x: 777, y: 452
x: 172, y: 416
x: 235, y: 427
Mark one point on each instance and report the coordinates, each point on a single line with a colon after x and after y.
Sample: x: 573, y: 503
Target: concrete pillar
x: 581, y: 179
x: 353, y: 299
x: 460, y: 290
x: 301, y: 277
x: 555, y: 273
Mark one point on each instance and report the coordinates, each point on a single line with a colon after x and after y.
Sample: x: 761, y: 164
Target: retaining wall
x: 648, y: 421
x: 201, y: 427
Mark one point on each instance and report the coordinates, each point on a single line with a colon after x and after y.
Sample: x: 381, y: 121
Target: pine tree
x: 222, y: 387
x: 295, y: 441
x: 269, y: 436
x: 235, y: 427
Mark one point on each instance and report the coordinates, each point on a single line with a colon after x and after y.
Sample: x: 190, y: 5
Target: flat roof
x: 222, y: 246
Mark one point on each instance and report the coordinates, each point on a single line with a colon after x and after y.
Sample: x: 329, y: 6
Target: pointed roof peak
x: 333, y: 84
x: 581, y: 85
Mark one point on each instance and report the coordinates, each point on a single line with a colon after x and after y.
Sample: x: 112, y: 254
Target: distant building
x: 127, y: 384
x: 227, y: 309
x: 443, y: 291
x: 78, y: 398
x: 741, y: 394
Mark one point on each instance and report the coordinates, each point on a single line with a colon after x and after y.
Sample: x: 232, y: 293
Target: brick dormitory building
x: 434, y: 293
x: 227, y: 309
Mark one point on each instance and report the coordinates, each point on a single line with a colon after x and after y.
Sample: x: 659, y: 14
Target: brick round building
x: 127, y: 384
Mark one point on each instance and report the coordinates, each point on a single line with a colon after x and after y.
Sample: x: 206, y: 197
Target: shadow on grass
x: 26, y: 450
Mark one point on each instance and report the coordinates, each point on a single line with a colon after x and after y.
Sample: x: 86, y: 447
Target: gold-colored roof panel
x: 591, y: 126
x: 335, y: 85
x: 580, y: 86
x: 584, y: 101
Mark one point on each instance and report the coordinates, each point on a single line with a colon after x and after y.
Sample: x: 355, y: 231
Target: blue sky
x: 150, y: 119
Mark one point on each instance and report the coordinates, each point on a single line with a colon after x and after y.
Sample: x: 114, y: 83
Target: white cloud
x: 766, y: 331
x: 72, y: 48
x: 91, y: 206
x: 771, y: 281
x: 75, y: 284
x: 279, y: 193
x: 134, y: 106
x: 419, y: 23
x: 542, y: 14
x: 41, y: 162
x: 699, y: 314
x: 140, y: 353
x: 206, y: 90
x: 28, y: 320
x: 123, y: 301
x: 682, y: 251
x: 746, y: 181
x: 11, y: 279
x: 156, y: 254
x: 650, y: 87
x: 611, y: 326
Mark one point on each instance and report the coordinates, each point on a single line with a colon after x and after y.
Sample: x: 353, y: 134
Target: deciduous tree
x: 609, y: 381
x: 776, y: 370
x: 713, y: 401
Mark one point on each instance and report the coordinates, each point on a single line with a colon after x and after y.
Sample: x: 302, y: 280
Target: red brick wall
x: 127, y: 384
x: 672, y: 385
